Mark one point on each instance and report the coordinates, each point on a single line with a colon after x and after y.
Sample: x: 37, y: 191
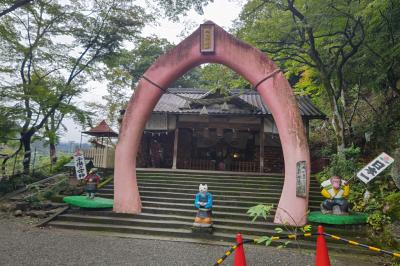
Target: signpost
x: 375, y: 167
x: 301, y: 179
x: 80, y: 167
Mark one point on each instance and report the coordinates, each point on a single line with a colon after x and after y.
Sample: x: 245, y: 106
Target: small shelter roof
x: 101, y: 130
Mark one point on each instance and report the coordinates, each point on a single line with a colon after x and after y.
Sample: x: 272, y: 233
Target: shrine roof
x: 101, y: 130
x: 247, y: 102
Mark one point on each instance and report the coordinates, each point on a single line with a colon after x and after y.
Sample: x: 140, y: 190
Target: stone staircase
x: 168, y: 210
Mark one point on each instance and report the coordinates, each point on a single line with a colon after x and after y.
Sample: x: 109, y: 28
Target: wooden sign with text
x: 375, y: 167
x: 207, y: 44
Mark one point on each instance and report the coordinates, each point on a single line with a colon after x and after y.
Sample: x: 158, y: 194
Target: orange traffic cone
x: 321, y: 256
x: 240, y: 258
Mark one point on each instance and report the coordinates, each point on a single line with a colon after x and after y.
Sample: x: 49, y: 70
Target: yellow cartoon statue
x: 336, y: 192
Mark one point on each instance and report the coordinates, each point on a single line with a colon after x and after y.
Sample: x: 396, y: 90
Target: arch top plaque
x: 207, y: 40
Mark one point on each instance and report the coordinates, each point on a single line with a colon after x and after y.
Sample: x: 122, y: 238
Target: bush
x: 344, y: 165
x: 393, y: 205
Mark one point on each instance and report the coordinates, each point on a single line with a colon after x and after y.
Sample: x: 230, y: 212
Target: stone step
x: 216, y: 207
x: 217, y: 176
x: 241, y: 180
x: 184, y: 233
x: 192, y: 213
x: 172, y: 224
x: 221, y: 225
x: 217, y: 201
x: 215, y: 191
x: 214, y: 177
x: 212, y: 185
x: 168, y: 183
x: 265, y: 198
x: 210, y: 178
x: 194, y: 190
x: 244, y: 186
x: 168, y: 210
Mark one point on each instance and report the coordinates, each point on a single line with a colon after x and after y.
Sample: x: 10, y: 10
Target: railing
x: 197, y: 164
x: 202, y: 164
x: 244, y: 166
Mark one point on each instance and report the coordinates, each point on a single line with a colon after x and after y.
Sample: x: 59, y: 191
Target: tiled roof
x: 250, y: 103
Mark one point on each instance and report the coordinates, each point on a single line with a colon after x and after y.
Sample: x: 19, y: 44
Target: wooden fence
x: 101, y: 157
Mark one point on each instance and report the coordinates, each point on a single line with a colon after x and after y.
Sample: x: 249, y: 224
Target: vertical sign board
x: 207, y: 44
x: 301, y: 179
x: 375, y: 167
x: 80, y: 167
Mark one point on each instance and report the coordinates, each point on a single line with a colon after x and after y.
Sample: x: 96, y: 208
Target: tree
x: 218, y: 77
x: 321, y: 35
x: 14, y: 5
x: 48, y: 48
x: 125, y: 69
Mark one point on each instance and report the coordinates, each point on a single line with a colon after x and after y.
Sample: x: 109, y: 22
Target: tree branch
x: 14, y: 6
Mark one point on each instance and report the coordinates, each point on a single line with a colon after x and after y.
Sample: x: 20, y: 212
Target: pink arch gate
x: 253, y: 65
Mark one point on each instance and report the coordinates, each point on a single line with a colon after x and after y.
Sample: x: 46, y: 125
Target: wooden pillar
x: 307, y: 123
x: 175, y: 156
x: 262, y: 145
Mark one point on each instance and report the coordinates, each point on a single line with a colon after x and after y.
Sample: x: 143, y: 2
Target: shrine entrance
x: 211, y: 44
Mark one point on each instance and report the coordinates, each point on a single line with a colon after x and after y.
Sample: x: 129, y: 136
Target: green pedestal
x: 353, y: 218
x: 85, y: 202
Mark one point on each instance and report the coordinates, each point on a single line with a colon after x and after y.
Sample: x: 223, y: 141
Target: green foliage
x: 61, y: 161
x: 173, y: 9
x: 344, y: 165
x: 263, y: 210
x: 264, y: 240
x: 8, y: 185
x: 40, y: 194
x: 216, y: 77
x: 393, y: 205
x: 377, y: 220
x: 260, y: 210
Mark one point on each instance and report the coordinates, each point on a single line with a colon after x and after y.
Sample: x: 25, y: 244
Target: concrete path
x: 23, y: 244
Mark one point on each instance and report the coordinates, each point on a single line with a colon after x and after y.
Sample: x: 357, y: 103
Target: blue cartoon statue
x: 203, y: 203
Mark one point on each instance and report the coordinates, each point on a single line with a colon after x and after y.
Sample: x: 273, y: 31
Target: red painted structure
x: 253, y: 65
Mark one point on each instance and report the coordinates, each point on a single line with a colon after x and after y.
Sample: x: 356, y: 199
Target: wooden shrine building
x: 202, y: 130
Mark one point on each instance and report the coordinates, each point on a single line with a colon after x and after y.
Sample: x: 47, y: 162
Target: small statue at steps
x: 92, y: 180
x: 203, y: 202
x: 336, y: 191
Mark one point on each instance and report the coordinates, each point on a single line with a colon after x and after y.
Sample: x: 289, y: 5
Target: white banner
x: 375, y: 167
x: 80, y: 167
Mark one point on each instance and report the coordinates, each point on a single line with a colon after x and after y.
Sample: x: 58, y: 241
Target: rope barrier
x: 355, y: 243
x: 273, y: 238
x: 231, y: 250
x: 295, y: 236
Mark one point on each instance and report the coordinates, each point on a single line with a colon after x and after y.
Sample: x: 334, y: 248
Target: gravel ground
x: 23, y: 244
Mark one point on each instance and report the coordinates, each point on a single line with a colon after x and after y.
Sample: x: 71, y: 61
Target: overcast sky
x: 221, y: 12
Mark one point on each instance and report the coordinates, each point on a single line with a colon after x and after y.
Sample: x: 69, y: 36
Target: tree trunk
x: 337, y: 114
x: 338, y: 126
x: 53, y: 153
x: 26, y: 143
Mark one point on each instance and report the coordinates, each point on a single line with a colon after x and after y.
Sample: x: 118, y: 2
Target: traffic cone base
x: 321, y: 256
x: 240, y: 258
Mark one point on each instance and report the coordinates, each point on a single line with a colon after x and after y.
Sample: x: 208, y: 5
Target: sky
x: 221, y: 12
